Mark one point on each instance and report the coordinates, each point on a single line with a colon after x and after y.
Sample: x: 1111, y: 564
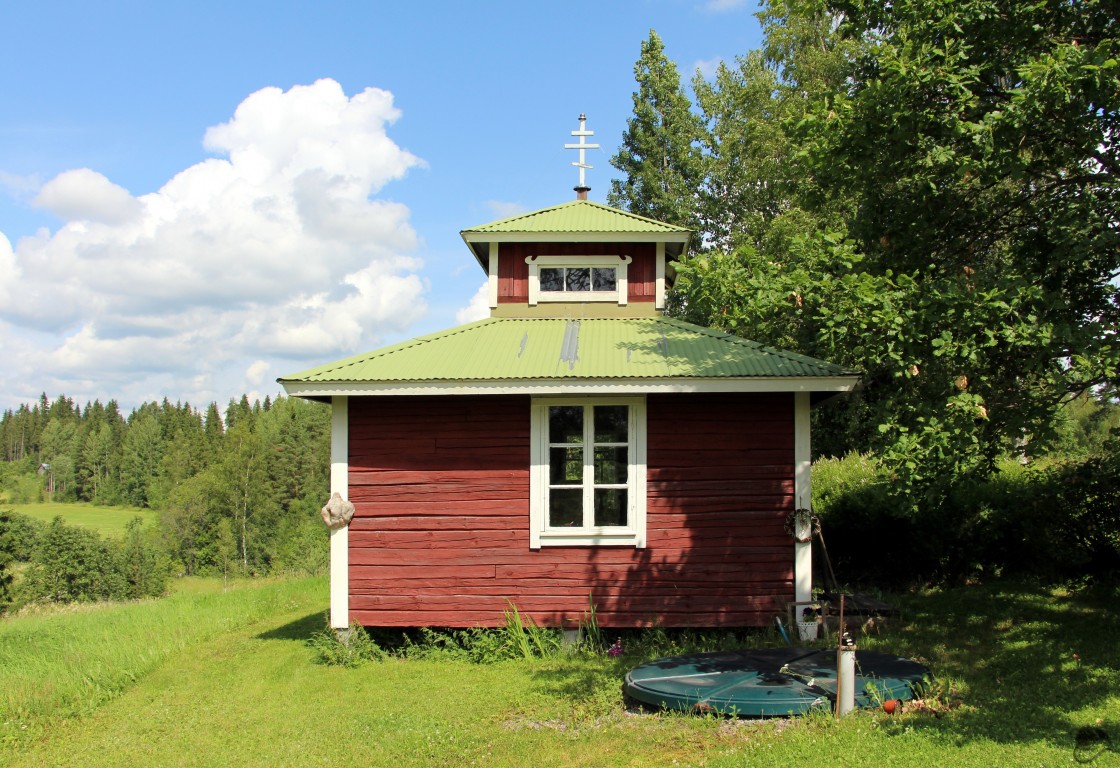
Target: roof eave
x: 572, y: 386
x: 479, y: 242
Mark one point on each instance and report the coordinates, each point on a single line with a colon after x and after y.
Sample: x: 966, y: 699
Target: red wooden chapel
x: 575, y: 446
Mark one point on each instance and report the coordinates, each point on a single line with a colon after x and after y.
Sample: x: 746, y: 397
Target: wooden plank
x: 471, y: 476
x: 525, y: 603
x: 697, y: 571
x: 619, y: 620
x: 640, y: 277
x: 438, y: 539
x: 376, y: 572
x: 604, y: 596
x: 443, y: 523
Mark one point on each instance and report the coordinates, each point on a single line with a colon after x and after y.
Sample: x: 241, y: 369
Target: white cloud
x: 85, y: 195
x: 502, y: 209
x: 478, y: 308
x: 19, y: 186
x: 722, y: 6
x: 707, y: 67
x: 9, y: 271
x: 254, y: 374
x: 273, y: 250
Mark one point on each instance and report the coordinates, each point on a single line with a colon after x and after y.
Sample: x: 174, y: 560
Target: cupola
x: 577, y: 259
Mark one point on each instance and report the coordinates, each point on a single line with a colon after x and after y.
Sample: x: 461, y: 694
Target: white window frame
x: 631, y: 535
x: 537, y: 296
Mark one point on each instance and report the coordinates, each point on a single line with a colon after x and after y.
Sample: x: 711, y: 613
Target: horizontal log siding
x: 440, y: 536
x: 513, y: 271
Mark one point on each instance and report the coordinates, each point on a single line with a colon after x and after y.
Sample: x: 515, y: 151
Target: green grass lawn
x: 108, y: 521
x: 217, y: 678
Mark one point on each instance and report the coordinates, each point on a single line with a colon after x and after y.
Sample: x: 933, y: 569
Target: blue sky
x: 196, y: 198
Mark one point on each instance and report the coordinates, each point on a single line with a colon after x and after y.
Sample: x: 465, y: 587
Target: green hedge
x: 1054, y: 520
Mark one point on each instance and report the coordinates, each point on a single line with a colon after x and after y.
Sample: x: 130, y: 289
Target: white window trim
x: 634, y: 535
x: 537, y: 296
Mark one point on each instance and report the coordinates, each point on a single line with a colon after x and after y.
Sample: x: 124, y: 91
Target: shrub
x: 71, y: 564
x: 143, y: 562
x: 301, y: 544
x: 23, y: 534
x: 5, y: 561
x: 1055, y: 521
x: 350, y: 648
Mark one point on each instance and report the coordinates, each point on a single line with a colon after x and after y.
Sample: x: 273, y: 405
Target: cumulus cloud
x: 478, y: 308
x: 85, y: 195
x: 275, y: 248
x: 9, y: 272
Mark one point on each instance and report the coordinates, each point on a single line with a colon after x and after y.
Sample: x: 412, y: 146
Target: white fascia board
x: 573, y: 386
x: 576, y: 237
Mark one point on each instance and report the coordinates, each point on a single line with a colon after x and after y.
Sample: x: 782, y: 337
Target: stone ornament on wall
x: 337, y: 512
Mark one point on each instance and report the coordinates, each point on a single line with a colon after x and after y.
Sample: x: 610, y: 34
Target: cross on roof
x: 582, y: 146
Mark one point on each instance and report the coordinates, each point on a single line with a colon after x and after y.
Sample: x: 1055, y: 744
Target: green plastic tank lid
x: 774, y: 682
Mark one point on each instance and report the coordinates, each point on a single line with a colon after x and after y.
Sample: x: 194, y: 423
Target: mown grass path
x: 108, y: 521
x: 252, y: 696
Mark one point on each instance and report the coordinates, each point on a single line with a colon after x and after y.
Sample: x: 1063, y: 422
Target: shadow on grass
x: 1035, y: 665
x: 1031, y: 665
x: 301, y: 629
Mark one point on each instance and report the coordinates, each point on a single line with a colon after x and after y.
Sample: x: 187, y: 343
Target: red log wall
x: 513, y: 271
x: 440, y: 536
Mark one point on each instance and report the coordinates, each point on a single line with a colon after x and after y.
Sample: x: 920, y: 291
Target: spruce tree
x: 660, y: 156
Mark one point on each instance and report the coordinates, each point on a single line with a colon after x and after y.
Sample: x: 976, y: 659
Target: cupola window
x: 577, y: 278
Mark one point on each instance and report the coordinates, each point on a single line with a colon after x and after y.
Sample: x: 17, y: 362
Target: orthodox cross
x: 583, y: 146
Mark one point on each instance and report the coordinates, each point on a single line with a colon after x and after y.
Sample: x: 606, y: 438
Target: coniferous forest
x: 237, y: 494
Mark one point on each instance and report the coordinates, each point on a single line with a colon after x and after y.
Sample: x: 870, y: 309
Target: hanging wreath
x: 802, y: 525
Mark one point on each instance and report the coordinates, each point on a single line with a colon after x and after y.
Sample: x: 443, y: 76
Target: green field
x: 108, y: 521
x: 216, y: 678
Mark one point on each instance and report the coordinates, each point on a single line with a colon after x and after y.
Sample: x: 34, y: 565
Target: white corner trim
x: 803, y: 495
x: 659, y: 278
x: 493, y: 276
x: 340, y: 537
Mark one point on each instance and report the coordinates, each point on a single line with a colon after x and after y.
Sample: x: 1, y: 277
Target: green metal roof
x: 572, y: 222
x: 517, y: 353
x: 581, y: 216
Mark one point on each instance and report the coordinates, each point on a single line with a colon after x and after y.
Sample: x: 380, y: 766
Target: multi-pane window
x: 578, y: 279
x: 588, y: 460
x: 589, y: 472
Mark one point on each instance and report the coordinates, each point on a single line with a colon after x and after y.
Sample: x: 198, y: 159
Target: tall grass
x: 70, y: 661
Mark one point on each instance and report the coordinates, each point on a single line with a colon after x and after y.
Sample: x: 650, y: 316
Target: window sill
x: 544, y: 297
x: 590, y: 539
